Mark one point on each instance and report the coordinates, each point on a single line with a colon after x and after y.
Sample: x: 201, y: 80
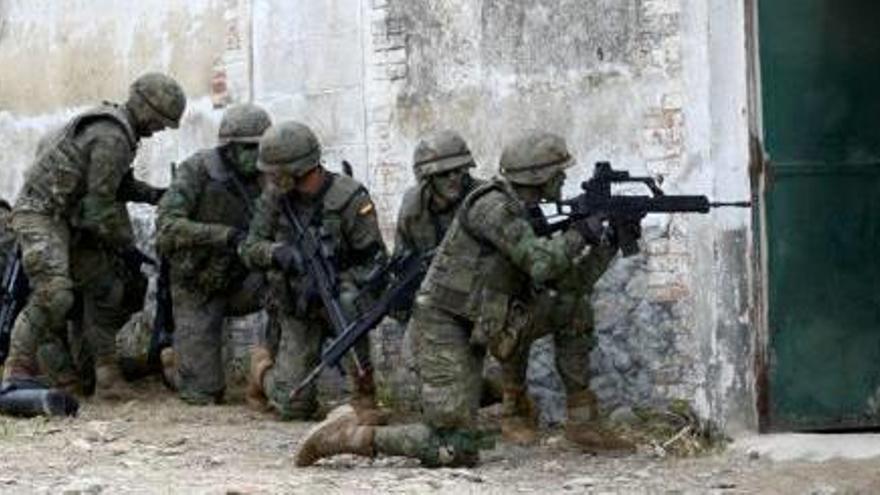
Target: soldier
x: 473, y: 297
x: 563, y: 309
x: 338, y: 211
x: 7, y: 237
x: 201, y: 221
x: 75, y: 232
x: 441, y: 164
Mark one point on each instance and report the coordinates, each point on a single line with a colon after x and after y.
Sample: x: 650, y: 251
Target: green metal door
x: 820, y: 81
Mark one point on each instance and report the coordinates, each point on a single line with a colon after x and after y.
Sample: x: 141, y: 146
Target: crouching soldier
x: 472, y: 298
x: 337, y: 212
x: 201, y: 221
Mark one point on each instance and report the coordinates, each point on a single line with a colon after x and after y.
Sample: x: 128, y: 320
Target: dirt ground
x: 164, y: 446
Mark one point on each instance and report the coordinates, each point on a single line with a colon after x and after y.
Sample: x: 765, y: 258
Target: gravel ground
x: 163, y: 446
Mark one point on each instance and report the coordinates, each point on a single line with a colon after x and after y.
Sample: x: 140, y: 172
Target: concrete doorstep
x: 811, y: 447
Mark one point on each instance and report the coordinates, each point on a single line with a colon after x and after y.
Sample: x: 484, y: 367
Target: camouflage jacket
x: 491, y: 257
x: 342, y: 216
x: 7, y: 238
x: 83, y: 174
x: 205, y: 202
x: 420, y: 228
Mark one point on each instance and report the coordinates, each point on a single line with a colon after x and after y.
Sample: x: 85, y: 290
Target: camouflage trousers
x: 450, y: 368
x: 63, y: 271
x: 198, y: 336
x: 568, y: 317
x: 295, y: 346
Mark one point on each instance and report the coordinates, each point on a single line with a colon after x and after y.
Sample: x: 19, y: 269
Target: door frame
x: 760, y: 177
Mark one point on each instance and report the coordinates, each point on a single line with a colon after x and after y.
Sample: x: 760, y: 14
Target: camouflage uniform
x: 473, y: 298
x: 341, y: 216
x: 563, y: 309
x: 7, y: 236
x: 425, y: 215
x: 74, y: 229
x: 200, y: 222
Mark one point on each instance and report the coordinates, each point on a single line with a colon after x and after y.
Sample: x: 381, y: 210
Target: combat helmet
x: 244, y: 123
x: 161, y: 94
x: 534, y: 159
x: 440, y: 152
x: 289, y: 147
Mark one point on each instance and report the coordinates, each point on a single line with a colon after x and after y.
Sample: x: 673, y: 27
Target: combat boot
x: 363, y: 401
x: 340, y: 433
x: 518, y: 417
x: 16, y: 369
x: 261, y: 361
x: 168, y: 359
x: 584, y: 428
x: 110, y: 384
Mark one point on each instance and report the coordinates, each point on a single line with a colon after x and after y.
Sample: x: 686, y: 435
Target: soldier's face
x: 245, y: 157
x: 282, y: 182
x: 448, y: 185
x: 552, y: 189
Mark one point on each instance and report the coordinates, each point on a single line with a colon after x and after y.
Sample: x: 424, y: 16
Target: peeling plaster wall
x: 71, y: 55
x: 655, y: 86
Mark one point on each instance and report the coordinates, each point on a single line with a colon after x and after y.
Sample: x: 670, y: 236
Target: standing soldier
x: 75, y: 232
x: 201, y: 221
x: 339, y: 214
x: 472, y: 297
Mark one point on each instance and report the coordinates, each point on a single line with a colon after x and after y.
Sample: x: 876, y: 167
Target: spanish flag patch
x: 366, y: 209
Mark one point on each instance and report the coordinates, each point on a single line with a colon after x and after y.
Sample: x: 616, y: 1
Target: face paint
x: 244, y: 155
x: 448, y: 186
x: 552, y: 189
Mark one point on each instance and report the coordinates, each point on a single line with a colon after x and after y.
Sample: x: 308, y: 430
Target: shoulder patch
x: 366, y: 209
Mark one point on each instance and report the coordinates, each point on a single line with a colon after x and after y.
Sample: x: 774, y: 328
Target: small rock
x: 580, y: 482
x: 466, y: 475
x: 624, y: 415
x: 82, y: 444
x: 177, y: 442
x: 83, y: 487
x: 753, y: 454
x: 723, y: 485
x: 8, y: 481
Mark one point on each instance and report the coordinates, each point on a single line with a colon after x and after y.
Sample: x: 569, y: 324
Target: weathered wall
x: 655, y: 86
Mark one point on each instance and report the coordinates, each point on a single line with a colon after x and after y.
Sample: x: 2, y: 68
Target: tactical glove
x: 287, y: 258
x: 134, y: 258
x: 234, y: 238
x: 156, y: 194
x: 592, y: 229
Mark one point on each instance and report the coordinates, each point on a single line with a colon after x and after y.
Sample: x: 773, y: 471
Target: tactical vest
x: 57, y: 181
x: 324, y: 218
x: 470, y: 278
x: 223, y: 200
x: 424, y: 228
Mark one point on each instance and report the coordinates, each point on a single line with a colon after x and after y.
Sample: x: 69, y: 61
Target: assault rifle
x: 14, y: 290
x: 163, y: 319
x: 317, y: 265
x: 620, y: 210
x: 406, y: 274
